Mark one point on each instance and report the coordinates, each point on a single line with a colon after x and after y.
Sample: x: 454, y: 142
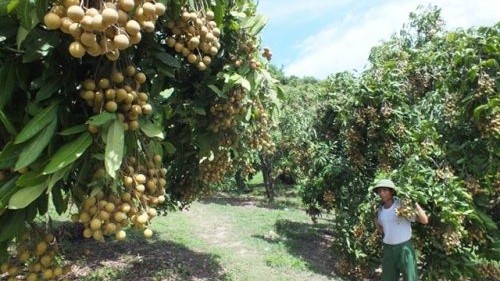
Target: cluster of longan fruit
x: 358, y: 230
x: 196, y: 37
x: 215, y: 170
x: 267, y: 53
x: 107, y: 214
x: 38, y: 252
x: 329, y: 199
x: 489, y: 270
x: 106, y: 29
x: 247, y: 52
x: 118, y: 93
x: 451, y: 241
x: 261, y: 138
x: 405, y: 209
x: 224, y: 113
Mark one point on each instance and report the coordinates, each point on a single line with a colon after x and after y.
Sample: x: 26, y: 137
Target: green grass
x: 271, y: 237
x: 257, y: 179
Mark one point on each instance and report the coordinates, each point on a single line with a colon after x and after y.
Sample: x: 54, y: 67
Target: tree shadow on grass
x: 138, y: 259
x: 250, y: 200
x: 310, y: 242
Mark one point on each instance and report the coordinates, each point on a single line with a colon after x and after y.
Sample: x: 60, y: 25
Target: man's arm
x: 379, y: 227
x: 421, y: 215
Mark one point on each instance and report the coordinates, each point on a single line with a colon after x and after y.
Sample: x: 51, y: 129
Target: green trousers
x: 398, y: 259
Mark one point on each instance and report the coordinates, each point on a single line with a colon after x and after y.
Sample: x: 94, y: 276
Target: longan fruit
x: 76, y: 49
x: 160, y: 8
x: 111, y: 106
x: 140, y: 77
x: 132, y: 27
x: 126, y: 5
x: 121, y: 235
x: 52, y: 21
x: 121, y: 41
x: 148, y: 233
x: 109, y: 16
x: 75, y: 13
x: 136, y: 38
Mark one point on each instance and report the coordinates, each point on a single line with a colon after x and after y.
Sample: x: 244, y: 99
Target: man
x: 398, y: 252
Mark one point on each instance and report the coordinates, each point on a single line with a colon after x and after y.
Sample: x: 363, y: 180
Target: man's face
x: 384, y: 193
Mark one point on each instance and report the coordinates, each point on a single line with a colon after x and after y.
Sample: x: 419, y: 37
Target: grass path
x: 221, y: 239
x: 256, y: 242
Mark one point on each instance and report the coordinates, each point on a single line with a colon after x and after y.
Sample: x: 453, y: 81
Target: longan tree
x: 425, y: 114
x: 115, y: 111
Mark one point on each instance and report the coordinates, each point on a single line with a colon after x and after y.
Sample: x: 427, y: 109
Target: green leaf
x: 58, y: 200
x: 26, y: 195
x: 50, y: 87
x: 38, y: 43
x: 7, y: 82
x: 157, y: 84
x: 12, y: 6
x: 21, y: 35
x: 167, y: 93
x: 217, y: 91
x: 114, y: 148
x: 37, y: 124
x: 57, y: 176
x: 169, y: 147
x: 101, y: 119
x: 7, y: 189
x: 42, y: 7
x: 9, y: 155
x: 155, y: 148
x: 150, y: 129
x: 31, y: 178
x: 27, y: 14
x: 7, y: 124
x: 68, y: 153
x: 33, y: 150
x: 199, y: 110
x: 73, y: 130
x: 166, y: 58
x: 255, y: 24
x: 12, y: 222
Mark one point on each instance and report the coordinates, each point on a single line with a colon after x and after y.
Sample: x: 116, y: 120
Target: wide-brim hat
x: 384, y: 183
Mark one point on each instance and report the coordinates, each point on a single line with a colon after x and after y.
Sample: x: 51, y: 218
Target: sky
x: 321, y: 37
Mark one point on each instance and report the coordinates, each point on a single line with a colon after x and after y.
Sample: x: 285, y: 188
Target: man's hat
x: 384, y: 183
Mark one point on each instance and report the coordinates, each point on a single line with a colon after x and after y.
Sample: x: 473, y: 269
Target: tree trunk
x: 241, y: 183
x: 266, y: 169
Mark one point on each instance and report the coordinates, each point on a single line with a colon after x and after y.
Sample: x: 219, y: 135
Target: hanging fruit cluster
x: 261, y: 138
x: 267, y: 53
x: 224, y: 113
x: 107, y: 213
x: 215, y: 170
x: 105, y: 28
x: 196, y: 37
x: 450, y: 240
x: 118, y: 93
x: 246, y: 52
x: 37, y: 251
